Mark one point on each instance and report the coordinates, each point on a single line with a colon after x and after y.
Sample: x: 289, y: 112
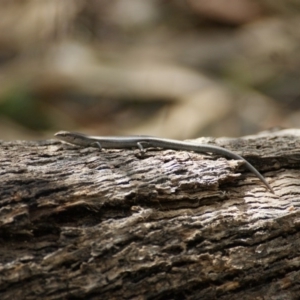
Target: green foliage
x: 22, y: 107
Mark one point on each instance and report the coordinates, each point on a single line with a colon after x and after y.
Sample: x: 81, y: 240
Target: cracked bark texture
x: 115, y: 224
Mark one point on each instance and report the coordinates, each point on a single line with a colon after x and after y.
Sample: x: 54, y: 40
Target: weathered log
x: 118, y: 224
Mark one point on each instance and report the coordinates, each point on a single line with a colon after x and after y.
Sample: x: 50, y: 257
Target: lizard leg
x: 140, y: 145
x: 97, y: 144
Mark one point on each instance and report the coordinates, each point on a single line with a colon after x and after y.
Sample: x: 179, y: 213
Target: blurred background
x: 171, y: 68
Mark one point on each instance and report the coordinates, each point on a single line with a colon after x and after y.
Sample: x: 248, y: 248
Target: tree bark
x: 118, y: 224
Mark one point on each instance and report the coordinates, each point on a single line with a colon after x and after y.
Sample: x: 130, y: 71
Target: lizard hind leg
x: 141, y: 147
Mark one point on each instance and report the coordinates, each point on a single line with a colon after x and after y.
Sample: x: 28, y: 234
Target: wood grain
x: 84, y: 224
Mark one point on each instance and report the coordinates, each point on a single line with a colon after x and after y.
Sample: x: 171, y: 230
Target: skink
x: 149, y: 141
